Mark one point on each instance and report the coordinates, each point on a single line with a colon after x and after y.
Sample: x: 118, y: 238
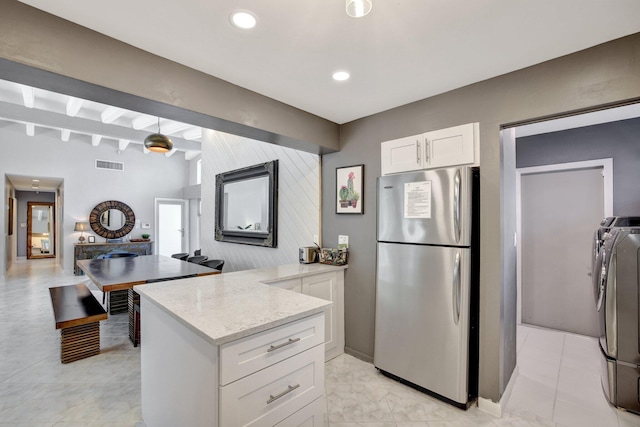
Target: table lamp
x: 81, y: 227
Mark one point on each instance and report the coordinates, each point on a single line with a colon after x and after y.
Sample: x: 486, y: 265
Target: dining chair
x: 181, y: 256
x: 197, y: 259
x: 216, y: 264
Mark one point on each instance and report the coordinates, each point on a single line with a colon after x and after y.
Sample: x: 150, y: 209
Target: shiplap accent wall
x: 298, y: 199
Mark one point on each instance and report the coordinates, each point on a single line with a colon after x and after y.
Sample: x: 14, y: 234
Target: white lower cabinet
x: 328, y: 286
x: 311, y: 415
x: 273, y: 377
x: 273, y: 394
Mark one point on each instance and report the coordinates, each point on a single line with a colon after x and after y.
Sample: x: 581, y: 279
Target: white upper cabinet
x: 446, y: 147
x: 401, y: 155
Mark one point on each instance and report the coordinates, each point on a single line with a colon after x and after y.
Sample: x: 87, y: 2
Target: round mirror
x: 112, y: 219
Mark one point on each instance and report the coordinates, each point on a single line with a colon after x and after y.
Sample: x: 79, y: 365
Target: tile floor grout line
x: 555, y: 392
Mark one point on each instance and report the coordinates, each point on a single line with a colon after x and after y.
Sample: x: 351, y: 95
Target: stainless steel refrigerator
x: 426, y: 330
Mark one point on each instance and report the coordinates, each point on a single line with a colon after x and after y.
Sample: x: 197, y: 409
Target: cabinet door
x: 401, y: 155
x: 328, y: 286
x: 449, y: 147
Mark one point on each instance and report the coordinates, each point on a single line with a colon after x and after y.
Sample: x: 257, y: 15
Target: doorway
x: 171, y: 226
x: 41, y: 226
x: 559, y: 206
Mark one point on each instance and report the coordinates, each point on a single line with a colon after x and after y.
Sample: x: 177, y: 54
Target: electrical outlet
x: 315, y: 239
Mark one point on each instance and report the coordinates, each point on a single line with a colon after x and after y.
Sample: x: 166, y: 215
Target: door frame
x: 185, y: 221
x: 606, y: 164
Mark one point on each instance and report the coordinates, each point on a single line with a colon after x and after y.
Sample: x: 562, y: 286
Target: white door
x: 171, y: 226
x: 559, y: 211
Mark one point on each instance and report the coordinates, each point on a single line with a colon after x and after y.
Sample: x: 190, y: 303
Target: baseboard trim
x: 497, y: 409
x: 358, y: 355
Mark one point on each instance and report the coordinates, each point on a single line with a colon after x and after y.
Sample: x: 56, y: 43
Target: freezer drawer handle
x: 456, y: 290
x: 289, y: 389
x: 291, y: 341
x: 456, y: 205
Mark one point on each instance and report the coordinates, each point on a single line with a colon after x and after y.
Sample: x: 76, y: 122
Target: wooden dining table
x: 118, y: 276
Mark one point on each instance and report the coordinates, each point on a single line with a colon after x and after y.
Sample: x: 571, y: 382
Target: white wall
x: 298, y: 199
x: 145, y: 177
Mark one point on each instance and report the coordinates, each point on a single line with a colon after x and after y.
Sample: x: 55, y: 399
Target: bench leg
x: 79, y: 342
x: 118, y: 301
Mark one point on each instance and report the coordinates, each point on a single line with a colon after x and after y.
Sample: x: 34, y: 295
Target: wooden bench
x: 78, y: 315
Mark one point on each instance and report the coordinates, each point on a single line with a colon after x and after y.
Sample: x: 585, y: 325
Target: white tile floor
x: 558, y: 383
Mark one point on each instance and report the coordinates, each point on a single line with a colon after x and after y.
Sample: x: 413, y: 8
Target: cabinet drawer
x: 271, y: 395
x: 250, y: 354
x: 311, y: 415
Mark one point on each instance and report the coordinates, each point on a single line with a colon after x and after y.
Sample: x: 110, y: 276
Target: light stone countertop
x: 225, y: 307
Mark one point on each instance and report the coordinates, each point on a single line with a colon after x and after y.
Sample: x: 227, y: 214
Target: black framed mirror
x: 247, y: 205
x: 112, y: 219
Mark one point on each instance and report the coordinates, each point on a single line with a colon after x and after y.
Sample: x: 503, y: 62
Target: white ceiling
x: 403, y: 51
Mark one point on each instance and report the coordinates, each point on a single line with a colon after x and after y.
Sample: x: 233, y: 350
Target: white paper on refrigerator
x: 417, y: 199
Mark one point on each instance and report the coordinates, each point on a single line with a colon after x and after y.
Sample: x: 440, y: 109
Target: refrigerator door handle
x: 456, y: 205
x: 456, y: 290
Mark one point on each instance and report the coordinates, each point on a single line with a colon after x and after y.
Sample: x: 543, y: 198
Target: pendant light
x: 157, y: 142
x: 358, y: 8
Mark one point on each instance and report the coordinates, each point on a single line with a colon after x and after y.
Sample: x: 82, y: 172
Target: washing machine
x: 618, y: 303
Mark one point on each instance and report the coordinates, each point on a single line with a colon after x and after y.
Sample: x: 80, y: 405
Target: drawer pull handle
x: 275, y: 347
x: 289, y: 389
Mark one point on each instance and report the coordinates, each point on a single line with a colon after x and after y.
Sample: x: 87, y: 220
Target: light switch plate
x: 315, y: 239
x: 343, y: 241
x: 146, y: 225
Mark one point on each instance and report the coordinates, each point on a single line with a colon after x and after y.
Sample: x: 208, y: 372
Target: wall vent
x: 105, y: 164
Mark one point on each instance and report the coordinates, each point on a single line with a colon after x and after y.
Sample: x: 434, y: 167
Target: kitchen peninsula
x: 236, y: 348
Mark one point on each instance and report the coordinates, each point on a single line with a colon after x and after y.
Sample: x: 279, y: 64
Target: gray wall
x: 601, y: 75
x: 618, y: 140
x: 145, y: 176
x: 23, y: 197
x: 598, y: 76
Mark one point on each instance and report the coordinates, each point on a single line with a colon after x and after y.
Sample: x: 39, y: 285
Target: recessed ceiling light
x: 35, y: 180
x: 341, y: 76
x: 243, y: 20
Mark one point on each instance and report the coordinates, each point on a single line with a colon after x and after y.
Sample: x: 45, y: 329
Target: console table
x: 92, y: 250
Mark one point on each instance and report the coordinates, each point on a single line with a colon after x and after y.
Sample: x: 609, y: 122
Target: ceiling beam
x: 19, y: 114
x: 95, y: 140
x: 111, y: 114
x: 122, y: 144
x: 28, y: 96
x: 73, y: 106
x: 65, y: 134
x: 143, y: 121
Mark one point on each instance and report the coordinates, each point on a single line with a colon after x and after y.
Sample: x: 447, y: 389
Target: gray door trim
x: 606, y: 164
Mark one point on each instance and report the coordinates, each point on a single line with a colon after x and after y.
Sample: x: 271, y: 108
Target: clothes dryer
x: 618, y: 306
